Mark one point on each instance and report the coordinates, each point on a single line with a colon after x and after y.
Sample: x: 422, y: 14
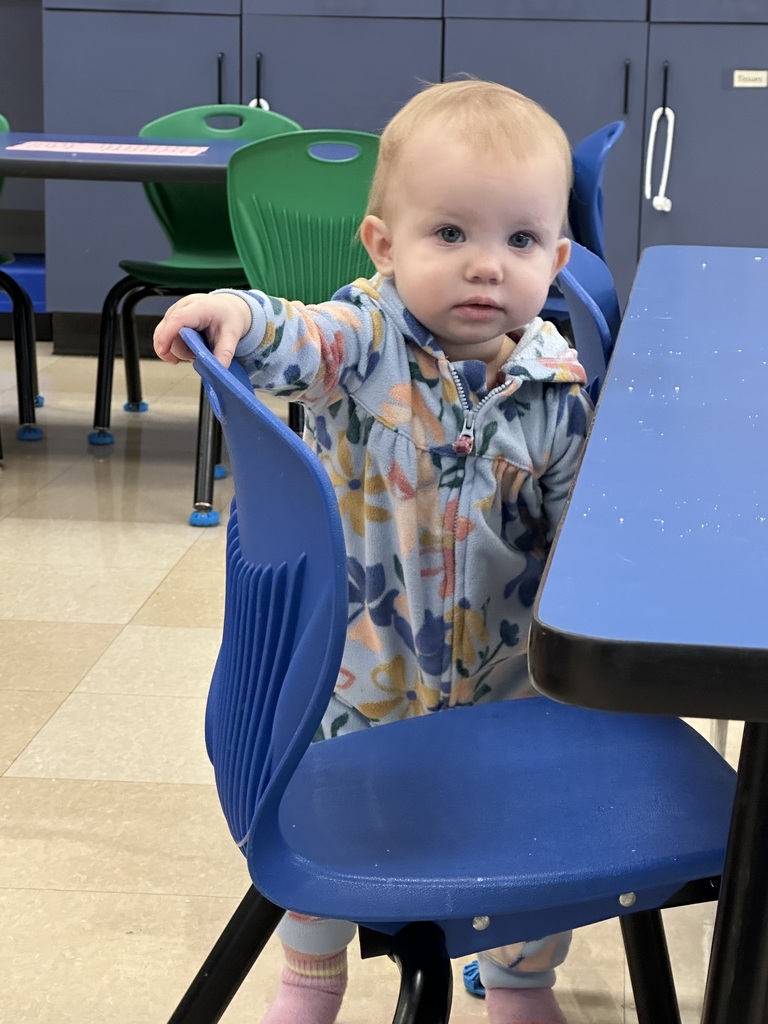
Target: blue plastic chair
x: 585, y: 210
x: 437, y: 835
x: 593, y: 312
x: 23, y: 329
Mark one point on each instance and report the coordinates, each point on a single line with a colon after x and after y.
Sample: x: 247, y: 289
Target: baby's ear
x: 375, y: 236
x: 562, y: 255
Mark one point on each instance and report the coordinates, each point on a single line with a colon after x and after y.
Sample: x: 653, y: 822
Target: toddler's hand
x: 223, y: 319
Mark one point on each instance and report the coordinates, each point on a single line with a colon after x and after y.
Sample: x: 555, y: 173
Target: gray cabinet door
x: 109, y: 73
x: 21, y: 103
x: 586, y: 74
x: 338, y: 72
x: 720, y: 151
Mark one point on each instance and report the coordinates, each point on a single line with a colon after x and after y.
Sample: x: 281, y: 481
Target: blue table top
x: 656, y: 593
x: 114, y: 158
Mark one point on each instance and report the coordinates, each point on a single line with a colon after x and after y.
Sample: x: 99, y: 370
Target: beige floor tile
x: 117, y: 837
x: 22, y: 715
x: 120, y: 738
x: 26, y: 469
x: 100, y: 545
x: 77, y: 375
x: 185, y: 598
x: 50, y: 655
x: 74, y: 594
x: 174, y: 661
x: 106, y: 485
x: 120, y: 957
x: 207, y: 554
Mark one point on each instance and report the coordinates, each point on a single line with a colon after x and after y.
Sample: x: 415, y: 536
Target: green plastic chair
x: 23, y: 329
x: 295, y: 204
x: 203, y: 256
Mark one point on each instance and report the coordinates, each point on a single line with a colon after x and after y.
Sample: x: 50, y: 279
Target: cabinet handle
x: 625, y: 104
x: 258, y: 100
x: 219, y: 77
x: 661, y: 201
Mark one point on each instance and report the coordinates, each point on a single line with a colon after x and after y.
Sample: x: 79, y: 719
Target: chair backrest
x: 593, y: 311
x: 295, y: 203
x: 4, y: 127
x: 195, y: 217
x: 286, y: 600
x: 585, y: 209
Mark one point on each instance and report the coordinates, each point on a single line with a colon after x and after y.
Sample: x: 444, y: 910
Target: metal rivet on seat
x: 480, y: 923
x: 627, y: 899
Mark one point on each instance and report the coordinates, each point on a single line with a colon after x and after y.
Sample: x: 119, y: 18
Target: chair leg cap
x: 204, y: 518
x: 220, y: 472
x: 100, y: 437
x: 29, y: 433
x: 135, y: 406
x: 472, y: 982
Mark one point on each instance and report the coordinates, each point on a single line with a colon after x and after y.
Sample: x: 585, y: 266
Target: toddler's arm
x: 286, y: 348
x: 572, y: 414
x: 223, y: 318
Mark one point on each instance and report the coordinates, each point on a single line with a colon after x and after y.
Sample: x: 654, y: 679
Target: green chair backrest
x: 295, y: 204
x: 195, y: 217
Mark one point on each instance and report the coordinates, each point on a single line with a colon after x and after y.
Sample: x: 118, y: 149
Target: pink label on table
x: 118, y: 148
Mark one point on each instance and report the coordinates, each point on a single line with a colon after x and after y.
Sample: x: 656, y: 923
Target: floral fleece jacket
x: 449, y: 493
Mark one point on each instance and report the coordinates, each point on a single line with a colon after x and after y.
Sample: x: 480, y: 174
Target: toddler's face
x: 472, y: 240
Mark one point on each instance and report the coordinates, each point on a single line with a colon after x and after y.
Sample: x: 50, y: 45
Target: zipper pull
x: 465, y: 442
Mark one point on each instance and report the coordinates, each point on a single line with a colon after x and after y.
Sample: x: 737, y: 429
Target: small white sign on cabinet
x: 745, y: 79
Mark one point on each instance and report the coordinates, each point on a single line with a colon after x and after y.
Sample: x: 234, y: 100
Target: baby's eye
x: 521, y: 240
x: 451, y: 234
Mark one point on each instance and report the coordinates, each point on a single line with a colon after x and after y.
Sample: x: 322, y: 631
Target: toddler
x: 450, y: 419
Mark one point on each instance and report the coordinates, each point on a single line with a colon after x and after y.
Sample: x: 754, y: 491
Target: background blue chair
x: 625, y: 813
x: 23, y: 328
x: 585, y: 209
x: 593, y: 312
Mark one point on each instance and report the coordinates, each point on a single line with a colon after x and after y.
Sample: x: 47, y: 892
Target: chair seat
x: 189, y: 275
x: 379, y: 835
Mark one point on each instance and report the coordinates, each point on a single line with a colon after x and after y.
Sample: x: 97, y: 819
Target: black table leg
x: 737, y: 986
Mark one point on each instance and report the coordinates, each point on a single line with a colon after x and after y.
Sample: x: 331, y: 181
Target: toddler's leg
x: 518, y: 980
x: 314, y: 977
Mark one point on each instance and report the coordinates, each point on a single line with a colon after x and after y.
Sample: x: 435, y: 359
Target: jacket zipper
x: 465, y: 442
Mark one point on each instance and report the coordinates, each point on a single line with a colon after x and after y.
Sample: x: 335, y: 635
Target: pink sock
x: 523, y: 1006
x: 311, y: 989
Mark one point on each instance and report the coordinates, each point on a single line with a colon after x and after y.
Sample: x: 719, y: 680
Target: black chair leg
x: 426, y: 977
x: 130, y: 346
x: 110, y: 325
x: 229, y: 962
x: 208, y: 446
x: 296, y: 417
x: 649, y: 968
x: 23, y: 320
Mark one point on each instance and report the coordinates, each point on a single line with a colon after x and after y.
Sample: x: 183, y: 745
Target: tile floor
x: 116, y: 870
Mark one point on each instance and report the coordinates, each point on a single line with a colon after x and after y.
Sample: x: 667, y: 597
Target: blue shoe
x: 472, y: 982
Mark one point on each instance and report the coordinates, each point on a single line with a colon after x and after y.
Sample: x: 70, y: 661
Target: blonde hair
x: 489, y: 116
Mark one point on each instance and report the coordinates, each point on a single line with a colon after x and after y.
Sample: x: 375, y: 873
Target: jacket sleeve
x: 572, y: 415
x: 310, y: 353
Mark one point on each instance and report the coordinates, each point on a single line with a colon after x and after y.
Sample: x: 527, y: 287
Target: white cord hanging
x: 661, y: 200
